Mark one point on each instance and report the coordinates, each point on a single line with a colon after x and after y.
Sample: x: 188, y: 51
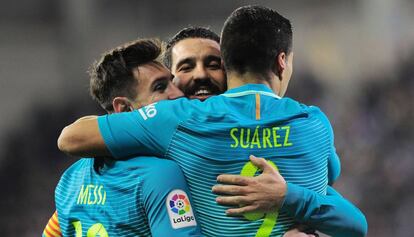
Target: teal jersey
x: 218, y: 135
x: 142, y: 196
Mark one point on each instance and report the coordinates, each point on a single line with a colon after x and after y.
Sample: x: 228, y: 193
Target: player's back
x: 218, y: 135
x: 223, y: 131
x: 124, y: 198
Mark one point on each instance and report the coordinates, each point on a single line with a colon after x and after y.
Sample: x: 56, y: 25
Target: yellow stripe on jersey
x: 257, y: 106
x: 52, y: 228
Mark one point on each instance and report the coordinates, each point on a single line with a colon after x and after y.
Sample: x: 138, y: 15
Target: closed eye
x: 161, y: 84
x: 185, y: 68
x: 185, y: 64
x: 213, y: 62
x: 214, y: 65
x: 160, y: 87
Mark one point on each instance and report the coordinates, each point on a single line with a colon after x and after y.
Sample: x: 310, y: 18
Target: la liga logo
x: 179, y: 204
x: 179, y: 209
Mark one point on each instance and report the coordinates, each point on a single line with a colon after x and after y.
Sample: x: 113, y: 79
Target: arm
x: 52, y: 228
x: 334, y: 164
x: 334, y: 167
x: 165, y: 192
x: 331, y: 214
x: 83, y: 138
x: 122, y: 135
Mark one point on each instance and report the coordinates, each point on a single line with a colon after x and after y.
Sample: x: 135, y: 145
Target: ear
x: 281, y: 64
x: 121, y: 104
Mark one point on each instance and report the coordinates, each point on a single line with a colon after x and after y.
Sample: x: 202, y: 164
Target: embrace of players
x: 175, y: 156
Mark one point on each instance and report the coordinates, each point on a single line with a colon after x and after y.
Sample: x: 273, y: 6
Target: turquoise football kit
x: 144, y: 196
x: 218, y: 135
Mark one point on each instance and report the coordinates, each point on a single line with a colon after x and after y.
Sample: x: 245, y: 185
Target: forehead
x: 149, y: 72
x: 194, y: 48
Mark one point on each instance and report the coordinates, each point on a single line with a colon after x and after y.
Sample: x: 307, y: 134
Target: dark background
x: 354, y: 59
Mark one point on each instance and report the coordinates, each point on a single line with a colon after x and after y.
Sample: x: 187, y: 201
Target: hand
x: 297, y: 233
x: 263, y: 193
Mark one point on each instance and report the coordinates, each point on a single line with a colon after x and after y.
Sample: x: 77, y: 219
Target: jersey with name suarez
x: 217, y: 136
x: 142, y: 196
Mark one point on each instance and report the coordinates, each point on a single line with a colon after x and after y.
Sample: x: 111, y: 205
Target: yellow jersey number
x: 96, y: 229
x: 270, y: 219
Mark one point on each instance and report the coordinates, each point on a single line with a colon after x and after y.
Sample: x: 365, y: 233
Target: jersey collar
x: 250, y: 89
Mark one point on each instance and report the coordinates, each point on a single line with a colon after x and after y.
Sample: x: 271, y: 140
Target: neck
x: 235, y: 79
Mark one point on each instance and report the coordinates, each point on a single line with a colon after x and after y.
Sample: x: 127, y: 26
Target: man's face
x: 197, y: 66
x: 154, y: 84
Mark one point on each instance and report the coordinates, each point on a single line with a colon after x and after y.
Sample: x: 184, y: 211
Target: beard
x: 202, y: 89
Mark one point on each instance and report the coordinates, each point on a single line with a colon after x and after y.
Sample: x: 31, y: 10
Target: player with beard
x: 193, y: 56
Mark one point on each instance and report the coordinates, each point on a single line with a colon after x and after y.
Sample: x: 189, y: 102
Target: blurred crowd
x: 376, y: 136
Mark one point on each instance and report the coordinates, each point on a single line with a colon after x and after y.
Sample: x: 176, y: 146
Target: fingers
x: 233, y: 179
x: 240, y: 211
x: 262, y: 164
x: 228, y: 189
x: 232, y: 200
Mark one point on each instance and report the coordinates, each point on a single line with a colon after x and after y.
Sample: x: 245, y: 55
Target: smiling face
x: 154, y: 84
x: 198, y: 69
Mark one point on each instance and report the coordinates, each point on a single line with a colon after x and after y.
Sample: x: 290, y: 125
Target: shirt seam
x: 171, y: 139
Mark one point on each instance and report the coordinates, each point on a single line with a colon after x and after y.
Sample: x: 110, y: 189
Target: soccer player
x: 249, y: 118
x: 144, y: 196
x: 193, y: 56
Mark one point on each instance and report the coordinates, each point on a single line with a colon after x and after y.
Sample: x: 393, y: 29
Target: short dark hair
x: 252, y: 38
x: 189, y: 32
x: 112, y: 75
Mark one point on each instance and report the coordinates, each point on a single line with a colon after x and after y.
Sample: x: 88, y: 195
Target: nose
x: 200, y: 73
x: 174, y: 92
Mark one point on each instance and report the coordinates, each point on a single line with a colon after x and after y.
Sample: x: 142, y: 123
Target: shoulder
x: 79, y: 166
x: 168, y: 109
x: 149, y: 166
x: 317, y: 114
x: 162, y: 169
x: 161, y: 174
x: 290, y: 106
x: 311, y: 110
x: 74, y: 174
x: 158, y: 176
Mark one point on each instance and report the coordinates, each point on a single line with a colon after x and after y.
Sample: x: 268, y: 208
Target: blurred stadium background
x: 354, y: 59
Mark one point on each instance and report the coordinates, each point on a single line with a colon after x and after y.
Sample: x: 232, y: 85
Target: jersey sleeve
x: 52, y: 228
x: 334, y: 164
x: 330, y: 214
x: 167, y: 202
x: 334, y: 167
x: 146, y: 131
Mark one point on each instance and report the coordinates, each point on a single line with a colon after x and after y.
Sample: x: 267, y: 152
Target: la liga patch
x: 179, y: 209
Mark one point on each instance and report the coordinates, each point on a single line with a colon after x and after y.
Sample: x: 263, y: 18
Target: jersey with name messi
x: 142, y: 196
x: 217, y: 136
